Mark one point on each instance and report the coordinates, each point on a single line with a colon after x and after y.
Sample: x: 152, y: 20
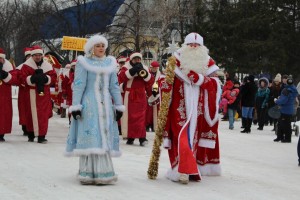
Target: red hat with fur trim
x: 36, y: 50
x: 154, y: 64
x: 136, y: 54
x: 2, y: 53
x: 122, y: 59
x: 212, y: 67
x: 27, y: 51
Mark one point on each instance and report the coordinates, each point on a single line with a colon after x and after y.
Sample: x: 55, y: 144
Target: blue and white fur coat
x: 97, y: 94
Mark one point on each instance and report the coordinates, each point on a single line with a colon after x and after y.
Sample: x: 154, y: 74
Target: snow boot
x: 42, y: 140
x: 25, y: 133
x: 2, y: 138
x: 31, y: 137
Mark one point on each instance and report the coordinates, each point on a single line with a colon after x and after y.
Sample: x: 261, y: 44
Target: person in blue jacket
x: 286, y: 101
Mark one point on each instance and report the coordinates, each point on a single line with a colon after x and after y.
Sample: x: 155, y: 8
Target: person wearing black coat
x: 248, y: 92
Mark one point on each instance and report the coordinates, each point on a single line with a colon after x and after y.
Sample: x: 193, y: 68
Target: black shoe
x: 130, y: 141
x: 31, y: 137
x: 2, y: 138
x: 286, y: 141
x: 277, y: 140
x: 260, y: 128
x: 246, y: 131
x: 42, y: 140
x: 143, y: 141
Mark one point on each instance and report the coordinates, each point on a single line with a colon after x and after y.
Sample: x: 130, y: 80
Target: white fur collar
x: 45, y: 66
x: 111, y: 67
x: 7, y: 66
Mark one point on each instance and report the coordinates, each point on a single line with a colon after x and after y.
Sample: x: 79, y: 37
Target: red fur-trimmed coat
x: 135, y: 100
x: 191, y: 132
x: 6, y: 110
x: 40, y: 106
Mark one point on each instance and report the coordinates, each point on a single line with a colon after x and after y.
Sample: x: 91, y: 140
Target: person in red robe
x: 21, y: 95
x: 37, y: 75
x: 154, y: 99
x: 192, y: 121
x: 8, y: 77
x: 135, y: 78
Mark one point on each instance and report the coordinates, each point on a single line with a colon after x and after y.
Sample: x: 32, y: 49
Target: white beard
x: 194, y: 59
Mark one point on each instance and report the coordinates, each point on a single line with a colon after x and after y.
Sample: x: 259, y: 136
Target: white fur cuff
x: 49, y: 80
x: 167, y: 143
x: 75, y: 108
x: 148, y: 77
x: 7, y: 78
x: 201, y: 79
x: 207, y: 143
x: 29, y: 82
x: 128, y: 75
x: 120, y: 108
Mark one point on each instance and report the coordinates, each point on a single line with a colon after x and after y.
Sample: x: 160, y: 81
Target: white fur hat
x: 278, y: 77
x: 136, y: 54
x: 96, y: 39
x: 193, y: 38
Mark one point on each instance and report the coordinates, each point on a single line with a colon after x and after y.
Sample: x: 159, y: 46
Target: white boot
x: 184, y: 178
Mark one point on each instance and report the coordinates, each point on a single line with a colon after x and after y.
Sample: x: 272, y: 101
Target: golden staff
x: 162, y: 119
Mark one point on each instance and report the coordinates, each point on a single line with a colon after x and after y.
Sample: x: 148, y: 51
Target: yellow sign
x: 73, y: 43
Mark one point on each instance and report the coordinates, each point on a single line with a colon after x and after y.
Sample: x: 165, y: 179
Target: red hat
x: 136, y: 54
x: 36, y: 50
x: 154, y: 64
x: 122, y: 59
x: 2, y: 53
x: 27, y: 51
x: 212, y: 67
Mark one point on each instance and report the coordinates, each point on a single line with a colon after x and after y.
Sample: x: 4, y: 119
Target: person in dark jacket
x: 261, y: 101
x: 274, y: 93
x: 286, y: 101
x: 248, y: 100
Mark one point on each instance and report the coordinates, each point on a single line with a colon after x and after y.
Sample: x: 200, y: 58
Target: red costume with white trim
x: 6, y: 110
x: 40, y: 106
x: 191, y: 131
x: 135, y: 100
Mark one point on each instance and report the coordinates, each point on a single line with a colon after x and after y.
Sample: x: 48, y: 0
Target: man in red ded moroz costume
x: 8, y: 77
x: 22, y: 94
x: 38, y: 75
x: 135, y: 78
x: 154, y: 99
x: 191, y: 131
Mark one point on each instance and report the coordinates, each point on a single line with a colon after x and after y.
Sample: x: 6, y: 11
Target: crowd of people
x: 109, y: 98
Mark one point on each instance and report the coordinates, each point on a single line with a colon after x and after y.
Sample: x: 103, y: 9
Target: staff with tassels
x: 162, y: 118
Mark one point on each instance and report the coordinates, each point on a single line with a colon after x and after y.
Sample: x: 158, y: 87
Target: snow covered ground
x: 254, y: 167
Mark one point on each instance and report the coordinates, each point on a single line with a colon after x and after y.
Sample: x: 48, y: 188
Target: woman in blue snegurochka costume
x: 96, y: 108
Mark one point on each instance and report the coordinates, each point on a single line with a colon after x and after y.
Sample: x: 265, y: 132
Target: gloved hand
x: 76, y: 114
x: 133, y: 71
x: 154, y: 93
x: 275, y: 99
x: 119, y: 114
x: 45, y: 78
x: 3, y: 74
x: 193, y: 76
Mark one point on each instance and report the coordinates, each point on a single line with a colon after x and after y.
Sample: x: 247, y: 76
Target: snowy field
x: 253, y: 167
